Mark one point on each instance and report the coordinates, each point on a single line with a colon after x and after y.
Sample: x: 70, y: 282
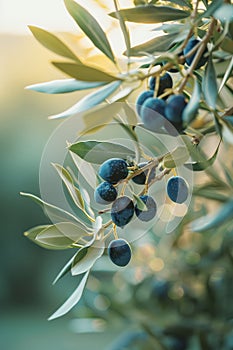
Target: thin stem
x: 198, y: 55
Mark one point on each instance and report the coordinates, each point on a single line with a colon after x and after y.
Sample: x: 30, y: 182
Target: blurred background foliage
x: 176, y: 293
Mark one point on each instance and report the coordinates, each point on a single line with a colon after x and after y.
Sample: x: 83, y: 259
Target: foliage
x: 184, y: 297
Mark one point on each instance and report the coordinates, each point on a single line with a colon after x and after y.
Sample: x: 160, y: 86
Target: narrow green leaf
x: 212, y: 221
x: 191, y: 109
x: 158, y: 44
x: 35, y: 231
x: 97, y: 152
x: 69, y: 183
x: 176, y: 158
x: 65, y: 269
x: 209, y: 84
x: 89, y: 257
x: 72, y: 300
x: 210, y: 193
x: 214, y: 5
x: 63, y: 86
x: 89, y: 101
x: 140, y: 204
x: 83, y: 72
x: 53, y: 212
x: 204, y: 163
x: 90, y: 27
x: 151, y: 14
x: 226, y: 75
x: 224, y: 13
x: 54, y: 238
x: 227, y: 45
x: 124, y: 29
x: 51, y: 42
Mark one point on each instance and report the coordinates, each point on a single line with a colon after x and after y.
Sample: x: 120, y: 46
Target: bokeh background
x: 27, y: 296
x: 185, y: 277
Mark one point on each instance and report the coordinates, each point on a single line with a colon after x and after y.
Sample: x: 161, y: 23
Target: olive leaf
x: 203, y: 163
x: 90, y: 27
x: 209, y: 84
x: 151, y: 14
x: 64, y: 270
x: 55, y: 213
x: 63, y: 86
x: 97, y: 152
x: 86, y: 258
x: 51, y: 42
x: 84, y: 73
x: 89, y: 101
x: 213, y: 220
x: 191, y: 109
x: 72, y: 300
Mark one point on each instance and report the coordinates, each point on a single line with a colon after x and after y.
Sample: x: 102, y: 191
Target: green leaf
x: 210, y: 193
x: 212, y: 221
x: 89, y: 255
x: 65, y: 269
x: 59, y: 236
x: 191, y: 109
x: 176, y: 158
x: 55, y: 213
x: 54, y: 238
x: 140, y: 204
x: 90, y: 27
x: 182, y: 3
x: 224, y: 13
x: 63, y: 86
x: 51, y: 42
x: 226, y: 75
x: 124, y: 29
x: 209, y: 84
x: 158, y: 44
x: 214, y: 5
x: 72, y: 300
x: 69, y: 183
x: 97, y: 152
x: 83, y: 72
x: 204, y: 163
x: 89, y: 101
x: 151, y: 14
x: 227, y: 45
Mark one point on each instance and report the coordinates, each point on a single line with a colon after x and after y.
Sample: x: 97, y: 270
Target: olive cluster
x: 159, y: 107
x: 158, y: 112
x: 115, y: 171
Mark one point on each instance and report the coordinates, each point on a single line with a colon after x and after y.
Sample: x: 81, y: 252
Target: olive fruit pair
x: 123, y: 209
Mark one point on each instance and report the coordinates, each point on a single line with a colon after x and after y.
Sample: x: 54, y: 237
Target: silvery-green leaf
x: 89, y: 101
x: 191, y: 109
x: 140, y: 204
x: 97, y: 152
x: 84, y: 73
x: 63, y: 86
x: 209, y: 84
x: 226, y: 75
x: 214, y: 220
x: 53, y: 212
x: 51, y: 42
x: 69, y: 183
x: 92, y: 253
x: 90, y: 27
x: 224, y: 13
x: 151, y: 14
x: 64, y: 270
x: 72, y: 300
